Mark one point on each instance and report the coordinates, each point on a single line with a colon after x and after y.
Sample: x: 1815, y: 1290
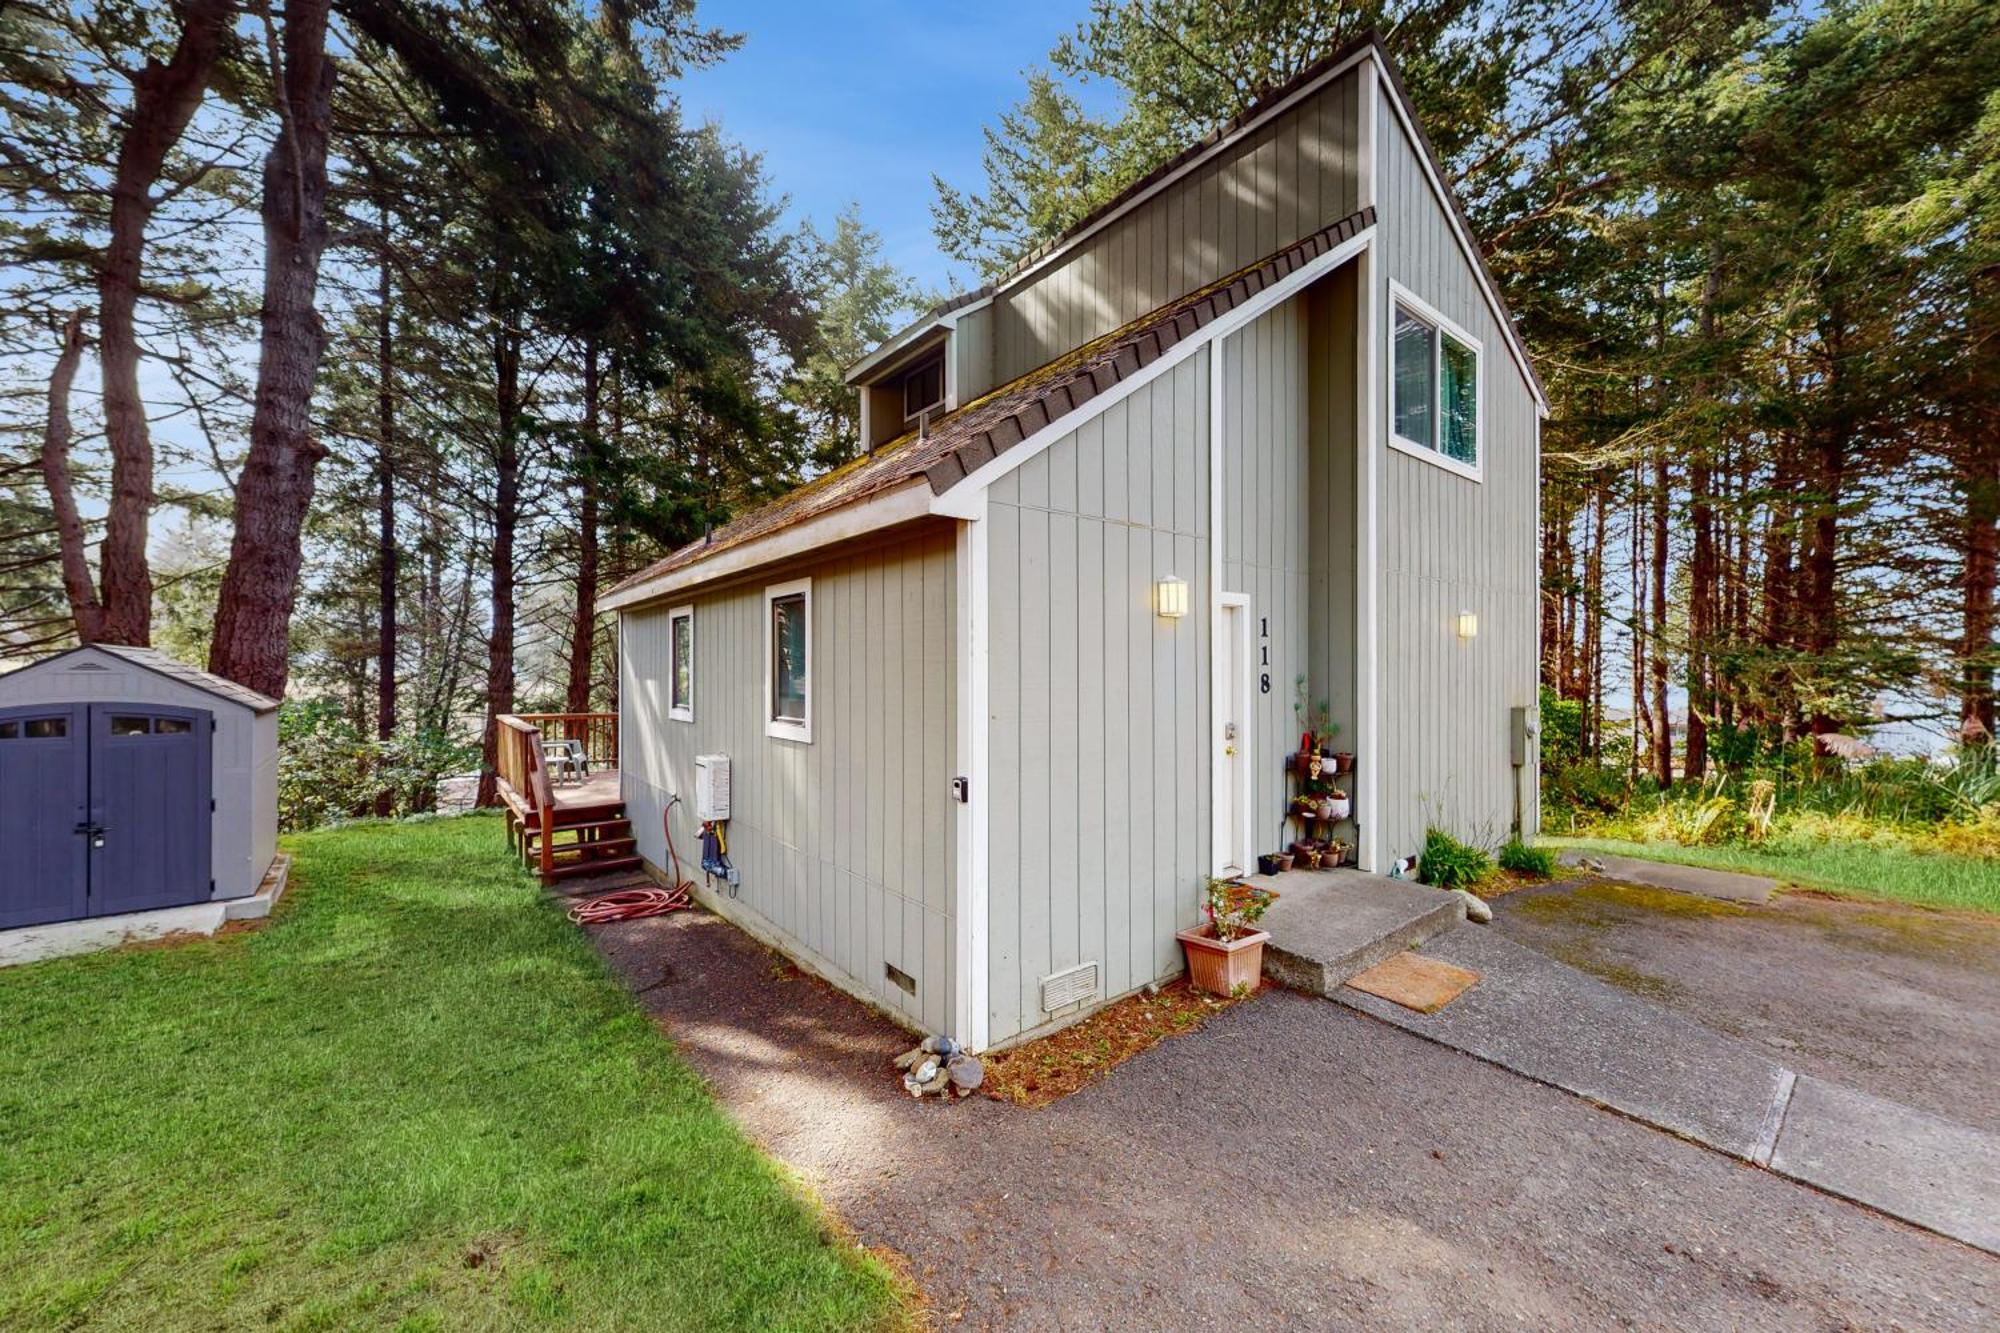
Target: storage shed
x: 129, y: 782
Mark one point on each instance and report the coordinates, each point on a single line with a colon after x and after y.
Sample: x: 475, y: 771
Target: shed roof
x: 152, y: 659
x: 962, y: 441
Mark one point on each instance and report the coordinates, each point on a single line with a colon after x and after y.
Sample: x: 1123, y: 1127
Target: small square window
x: 10, y: 731
x: 787, y: 660
x: 680, y: 665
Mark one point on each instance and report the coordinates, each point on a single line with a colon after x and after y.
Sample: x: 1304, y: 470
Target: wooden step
x: 618, y: 827
x: 597, y: 848
x: 593, y: 866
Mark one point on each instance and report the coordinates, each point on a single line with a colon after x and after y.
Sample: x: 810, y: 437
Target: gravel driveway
x: 1899, y: 1001
x: 1373, y: 1179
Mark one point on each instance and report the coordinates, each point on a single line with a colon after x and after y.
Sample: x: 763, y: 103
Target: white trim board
x: 902, y: 504
x: 1445, y: 324
x: 971, y: 1007
x: 957, y: 502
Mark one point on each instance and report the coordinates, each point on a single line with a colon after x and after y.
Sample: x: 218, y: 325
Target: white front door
x: 1232, y: 736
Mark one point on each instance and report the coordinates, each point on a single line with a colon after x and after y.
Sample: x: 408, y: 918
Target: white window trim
x: 678, y: 712
x: 1436, y: 456
x: 785, y: 729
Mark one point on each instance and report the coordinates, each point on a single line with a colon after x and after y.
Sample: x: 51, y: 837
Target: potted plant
x: 1343, y: 761
x: 1225, y: 956
x: 1337, y: 853
x: 1336, y: 806
x: 1274, y: 863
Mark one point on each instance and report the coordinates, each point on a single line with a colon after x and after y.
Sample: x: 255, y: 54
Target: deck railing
x: 523, y: 769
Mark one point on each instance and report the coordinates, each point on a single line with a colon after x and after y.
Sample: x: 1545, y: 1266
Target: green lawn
x: 1862, y: 869
x: 416, y: 1099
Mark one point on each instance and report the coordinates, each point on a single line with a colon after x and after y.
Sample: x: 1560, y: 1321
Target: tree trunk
x: 506, y: 517
x: 254, y: 609
x: 164, y: 98
x: 386, y: 558
x: 84, y: 608
x: 583, y: 623
x: 1663, y: 725
x: 1982, y: 573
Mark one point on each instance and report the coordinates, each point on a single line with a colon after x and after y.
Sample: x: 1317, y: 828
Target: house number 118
x: 1263, y: 654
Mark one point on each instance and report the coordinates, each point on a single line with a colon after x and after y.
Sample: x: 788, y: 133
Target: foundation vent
x: 1071, y: 986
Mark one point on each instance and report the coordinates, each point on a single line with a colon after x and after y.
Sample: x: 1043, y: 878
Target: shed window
x: 45, y: 728
x: 10, y: 731
x: 923, y: 388
x: 124, y: 725
x: 680, y: 674
x: 1436, y: 388
x: 171, y: 726
x: 787, y: 656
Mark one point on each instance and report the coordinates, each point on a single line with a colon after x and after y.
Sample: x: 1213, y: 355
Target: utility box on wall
x: 711, y: 788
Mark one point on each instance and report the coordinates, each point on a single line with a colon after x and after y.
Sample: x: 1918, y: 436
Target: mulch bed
x: 1046, y: 1070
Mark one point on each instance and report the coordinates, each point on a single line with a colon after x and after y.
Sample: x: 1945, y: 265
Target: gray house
x: 997, y: 698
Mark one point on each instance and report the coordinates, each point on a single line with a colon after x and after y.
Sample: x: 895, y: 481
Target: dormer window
x: 923, y: 388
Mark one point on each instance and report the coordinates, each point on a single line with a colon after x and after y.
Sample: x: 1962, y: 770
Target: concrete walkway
x: 1732, y: 885
x: 1559, y: 1026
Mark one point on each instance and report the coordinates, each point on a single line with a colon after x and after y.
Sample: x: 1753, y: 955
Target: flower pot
x: 1268, y: 863
x: 1336, y: 808
x: 1302, y: 853
x: 1220, y: 968
x: 1343, y: 761
x: 1327, y: 808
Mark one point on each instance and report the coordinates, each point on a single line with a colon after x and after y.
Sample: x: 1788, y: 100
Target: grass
x: 1859, y: 869
x: 414, y: 1100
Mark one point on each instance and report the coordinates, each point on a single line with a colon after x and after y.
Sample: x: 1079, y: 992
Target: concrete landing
x: 1327, y: 925
x: 1556, y: 1025
x: 1731, y: 885
x: 60, y: 939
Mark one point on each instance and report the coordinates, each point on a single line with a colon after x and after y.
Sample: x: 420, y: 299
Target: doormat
x: 1415, y: 982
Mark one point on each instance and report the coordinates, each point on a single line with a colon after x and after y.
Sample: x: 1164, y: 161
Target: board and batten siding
x: 1098, y: 761
x: 1446, y: 544
x: 1296, y: 173
x: 846, y: 845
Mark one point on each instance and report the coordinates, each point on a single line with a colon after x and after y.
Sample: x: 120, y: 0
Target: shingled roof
x: 961, y: 442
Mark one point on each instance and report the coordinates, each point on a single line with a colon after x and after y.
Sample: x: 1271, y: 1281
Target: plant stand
x: 1316, y: 831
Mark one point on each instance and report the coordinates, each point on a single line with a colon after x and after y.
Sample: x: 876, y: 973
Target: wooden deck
x: 564, y: 827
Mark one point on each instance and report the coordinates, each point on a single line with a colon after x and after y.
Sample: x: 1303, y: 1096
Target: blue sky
x: 864, y: 102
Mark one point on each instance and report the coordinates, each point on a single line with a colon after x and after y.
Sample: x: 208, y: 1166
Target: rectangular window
x: 45, y: 728
x: 171, y: 726
x: 1435, y: 384
x: 923, y: 389
x: 788, y: 660
x: 122, y: 725
x: 680, y: 674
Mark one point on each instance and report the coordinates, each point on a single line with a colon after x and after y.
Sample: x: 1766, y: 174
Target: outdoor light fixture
x: 1170, y: 597
x: 1468, y: 625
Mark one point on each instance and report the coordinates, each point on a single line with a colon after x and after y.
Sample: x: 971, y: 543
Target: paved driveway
x: 1293, y: 1164
x: 1898, y: 1001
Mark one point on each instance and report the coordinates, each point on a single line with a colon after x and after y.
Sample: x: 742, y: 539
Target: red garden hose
x: 632, y: 904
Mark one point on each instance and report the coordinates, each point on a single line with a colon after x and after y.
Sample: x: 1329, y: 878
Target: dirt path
x: 1899, y: 1001
x: 1377, y: 1180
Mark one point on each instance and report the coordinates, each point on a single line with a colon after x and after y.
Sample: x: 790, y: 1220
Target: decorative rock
x: 1475, y: 906
x: 966, y: 1073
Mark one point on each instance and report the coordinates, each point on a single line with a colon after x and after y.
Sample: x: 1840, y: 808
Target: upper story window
x: 923, y: 388
x: 680, y: 673
x: 787, y: 660
x: 1436, y: 387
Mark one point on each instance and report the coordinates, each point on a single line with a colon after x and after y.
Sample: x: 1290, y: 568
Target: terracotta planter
x: 1343, y: 761
x: 1220, y: 968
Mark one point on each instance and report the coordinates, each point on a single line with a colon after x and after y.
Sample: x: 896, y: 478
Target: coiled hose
x: 634, y: 904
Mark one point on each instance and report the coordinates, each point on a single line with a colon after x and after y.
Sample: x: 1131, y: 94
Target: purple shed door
x: 44, y: 797
x: 149, y: 801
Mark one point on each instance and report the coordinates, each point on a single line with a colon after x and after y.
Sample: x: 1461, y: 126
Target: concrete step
x: 1327, y: 925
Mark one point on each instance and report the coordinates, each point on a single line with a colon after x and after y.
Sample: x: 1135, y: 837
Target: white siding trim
x: 957, y: 502
x: 1244, y: 650
x: 1371, y: 94
x: 675, y: 712
x: 907, y: 502
x: 971, y: 1004
x: 1368, y: 571
x: 785, y: 729
x: 1216, y: 601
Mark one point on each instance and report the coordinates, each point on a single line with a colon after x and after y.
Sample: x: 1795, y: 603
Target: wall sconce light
x: 1170, y: 597
x: 1468, y: 625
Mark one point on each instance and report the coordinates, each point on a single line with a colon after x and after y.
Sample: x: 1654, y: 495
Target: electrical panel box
x: 711, y: 787
x: 1521, y: 735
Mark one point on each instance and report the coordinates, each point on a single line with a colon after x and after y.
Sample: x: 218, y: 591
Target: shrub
x: 1522, y: 859
x: 329, y: 770
x: 1448, y: 863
